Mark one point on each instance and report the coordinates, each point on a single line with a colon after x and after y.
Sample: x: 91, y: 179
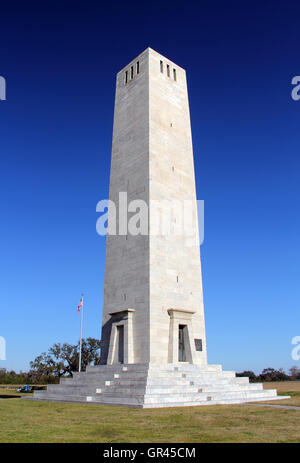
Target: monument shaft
x: 153, y: 285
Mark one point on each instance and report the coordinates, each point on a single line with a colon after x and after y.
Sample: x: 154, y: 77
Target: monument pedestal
x: 156, y: 385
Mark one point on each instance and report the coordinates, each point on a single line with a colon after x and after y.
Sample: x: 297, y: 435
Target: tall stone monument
x: 153, y: 283
x: 153, y: 345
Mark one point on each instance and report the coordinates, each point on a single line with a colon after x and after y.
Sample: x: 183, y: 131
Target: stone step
x: 138, y: 368
x: 218, y: 380
x: 127, y: 378
x: 120, y: 386
x: 151, y: 390
x: 106, y: 401
x: 159, y: 388
x: 81, y: 382
x: 239, y: 379
x: 154, y: 382
x: 247, y: 395
x: 115, y: 400
x: 119, y: 367
x: 81, y: 399
x: 166, y: 397
x: 211, y: 402
x: 209, y: 374
x: 152, y: 367
x: 136, y: 375
x: 62, y: 398
x: 60, y: 389
x: 158, y: 382
x: 141, y: 399
x: 191, y: 367
x: 151, y: 381
x: 158, y: 373
x: 215, y: 389
x: 121, y: 389
x: 93, y: 376
x: 201, y: 375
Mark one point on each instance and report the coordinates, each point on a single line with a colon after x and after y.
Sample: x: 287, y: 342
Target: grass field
x: 27, y: 421
x: 291, y: 388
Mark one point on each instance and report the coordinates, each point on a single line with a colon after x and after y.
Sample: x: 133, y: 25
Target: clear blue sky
x: 60, y: 60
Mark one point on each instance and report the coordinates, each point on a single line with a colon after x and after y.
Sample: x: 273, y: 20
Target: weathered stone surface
x: 152, y: 159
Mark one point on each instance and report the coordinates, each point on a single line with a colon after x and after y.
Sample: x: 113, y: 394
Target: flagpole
x: 80, y: 345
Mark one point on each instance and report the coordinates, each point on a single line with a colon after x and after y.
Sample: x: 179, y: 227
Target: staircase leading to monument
x: 156, y: 385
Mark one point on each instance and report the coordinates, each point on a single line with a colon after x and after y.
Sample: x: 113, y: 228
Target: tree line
x: 60, y: 360
x: 270, y: 374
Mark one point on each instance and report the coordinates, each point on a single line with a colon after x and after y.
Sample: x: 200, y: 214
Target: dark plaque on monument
x: 198, y: 344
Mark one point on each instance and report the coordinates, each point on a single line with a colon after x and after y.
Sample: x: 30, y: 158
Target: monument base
x: 156, y: 385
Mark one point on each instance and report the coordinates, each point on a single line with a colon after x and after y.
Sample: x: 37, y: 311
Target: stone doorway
x: 120, y: 343
x: 181, y: 343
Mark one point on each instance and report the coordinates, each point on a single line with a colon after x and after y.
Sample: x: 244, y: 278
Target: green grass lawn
x: 28, y: 421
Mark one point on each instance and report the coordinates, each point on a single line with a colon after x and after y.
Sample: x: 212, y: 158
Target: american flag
x: 80, y: 305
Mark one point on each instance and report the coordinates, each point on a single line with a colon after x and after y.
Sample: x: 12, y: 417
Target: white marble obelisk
x: 153, y: 303
x: 153, y: 346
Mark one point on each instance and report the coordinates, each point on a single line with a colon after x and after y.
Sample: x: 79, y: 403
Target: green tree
x: 294, y: 373
x: 62, y: 359
x: 270, y: 374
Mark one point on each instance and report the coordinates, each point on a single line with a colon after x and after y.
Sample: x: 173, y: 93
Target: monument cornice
x: 180, y: 312
x: 119, y: 312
